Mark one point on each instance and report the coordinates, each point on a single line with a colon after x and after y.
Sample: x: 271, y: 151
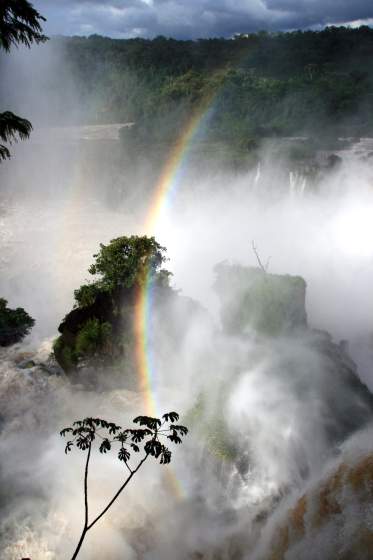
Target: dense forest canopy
x: 262, y: 84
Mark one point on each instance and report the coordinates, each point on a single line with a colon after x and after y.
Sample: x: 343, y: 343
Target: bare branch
x: 261, y: 266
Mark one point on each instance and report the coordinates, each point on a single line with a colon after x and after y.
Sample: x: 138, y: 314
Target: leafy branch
x: 20, y: 23
x: 12, y: 127
x: 147, y: 440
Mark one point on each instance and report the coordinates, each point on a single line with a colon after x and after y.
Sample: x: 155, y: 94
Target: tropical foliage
x: 20, y: 23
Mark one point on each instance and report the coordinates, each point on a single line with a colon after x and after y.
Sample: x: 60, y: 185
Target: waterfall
x: 297, y: 183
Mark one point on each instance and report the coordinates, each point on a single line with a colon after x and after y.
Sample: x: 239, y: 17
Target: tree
x: 15, y: 324
x: 19, y: 24
x: 125, y: 262
x: 146, y: 440
x: 100, y: 325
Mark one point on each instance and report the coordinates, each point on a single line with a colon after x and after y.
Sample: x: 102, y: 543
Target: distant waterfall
x: 297, y: 183
x: 258, y: 173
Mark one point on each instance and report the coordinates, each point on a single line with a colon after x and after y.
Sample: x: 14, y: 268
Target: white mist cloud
x: 279, y: 398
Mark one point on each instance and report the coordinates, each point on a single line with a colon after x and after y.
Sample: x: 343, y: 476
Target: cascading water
x: 281, y: 411
x: 297, y: 183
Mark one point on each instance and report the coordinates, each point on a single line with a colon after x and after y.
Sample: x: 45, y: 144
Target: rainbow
x: 172, y: 171
x: 166, y: 186
x: 144, y: 354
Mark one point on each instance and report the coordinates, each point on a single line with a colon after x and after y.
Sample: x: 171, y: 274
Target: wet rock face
x: 332, y: 520
x: 344, y: 394
x: 101, y: 310
x: 333, y: 161
x: 251, y: 299
x: 292, y: 369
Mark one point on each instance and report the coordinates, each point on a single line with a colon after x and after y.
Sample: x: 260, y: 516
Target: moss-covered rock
x: 213, y: 430
x: 99, y: 330
x: 252, y: 299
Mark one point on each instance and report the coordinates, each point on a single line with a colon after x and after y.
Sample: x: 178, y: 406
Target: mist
x: 294, y: 407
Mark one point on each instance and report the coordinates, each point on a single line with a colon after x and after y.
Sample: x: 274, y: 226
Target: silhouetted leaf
x: 65, y: 431
x: 166, y: 456
x: 148, y: 421
x: 174, y: 437
x: 105, y: 446
x: 135, y: 447
x: 122, y: 436
x: 138, y: 435
x: 124, y: 454
x: 113, y: 428
x: 171, y: 417
x: 88, y: 422
x: 153, y: 447
x: 181, y: 429
x: 83, y: 442
x: 68, y: 446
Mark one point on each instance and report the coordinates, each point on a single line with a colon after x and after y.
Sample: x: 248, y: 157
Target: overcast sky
x: 197, y: 18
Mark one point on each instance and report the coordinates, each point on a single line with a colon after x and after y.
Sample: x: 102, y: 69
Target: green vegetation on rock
x: 99, y: 330
x: 252, y: 299
x: 15, y: 324
x: 92, y: 337
x: 213, y: 430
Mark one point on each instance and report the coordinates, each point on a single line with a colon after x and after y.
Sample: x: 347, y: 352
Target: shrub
x: 15, y: 324
x: 92, y: 337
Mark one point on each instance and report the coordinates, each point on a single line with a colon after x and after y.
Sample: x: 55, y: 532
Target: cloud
x: 196, y: 18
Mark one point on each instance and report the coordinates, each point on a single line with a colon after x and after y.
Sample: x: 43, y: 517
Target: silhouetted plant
x: 20, y: 23
x: 146, y: 440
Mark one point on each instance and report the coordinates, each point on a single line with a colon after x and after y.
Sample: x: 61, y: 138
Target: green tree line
x: 262, y: 84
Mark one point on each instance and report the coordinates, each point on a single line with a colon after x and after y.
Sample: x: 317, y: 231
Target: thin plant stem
x: 85, y: 528
x: 88, y: 526
x: 118, y: 493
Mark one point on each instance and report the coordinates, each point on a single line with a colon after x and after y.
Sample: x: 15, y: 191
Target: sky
x: 191, y: 19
